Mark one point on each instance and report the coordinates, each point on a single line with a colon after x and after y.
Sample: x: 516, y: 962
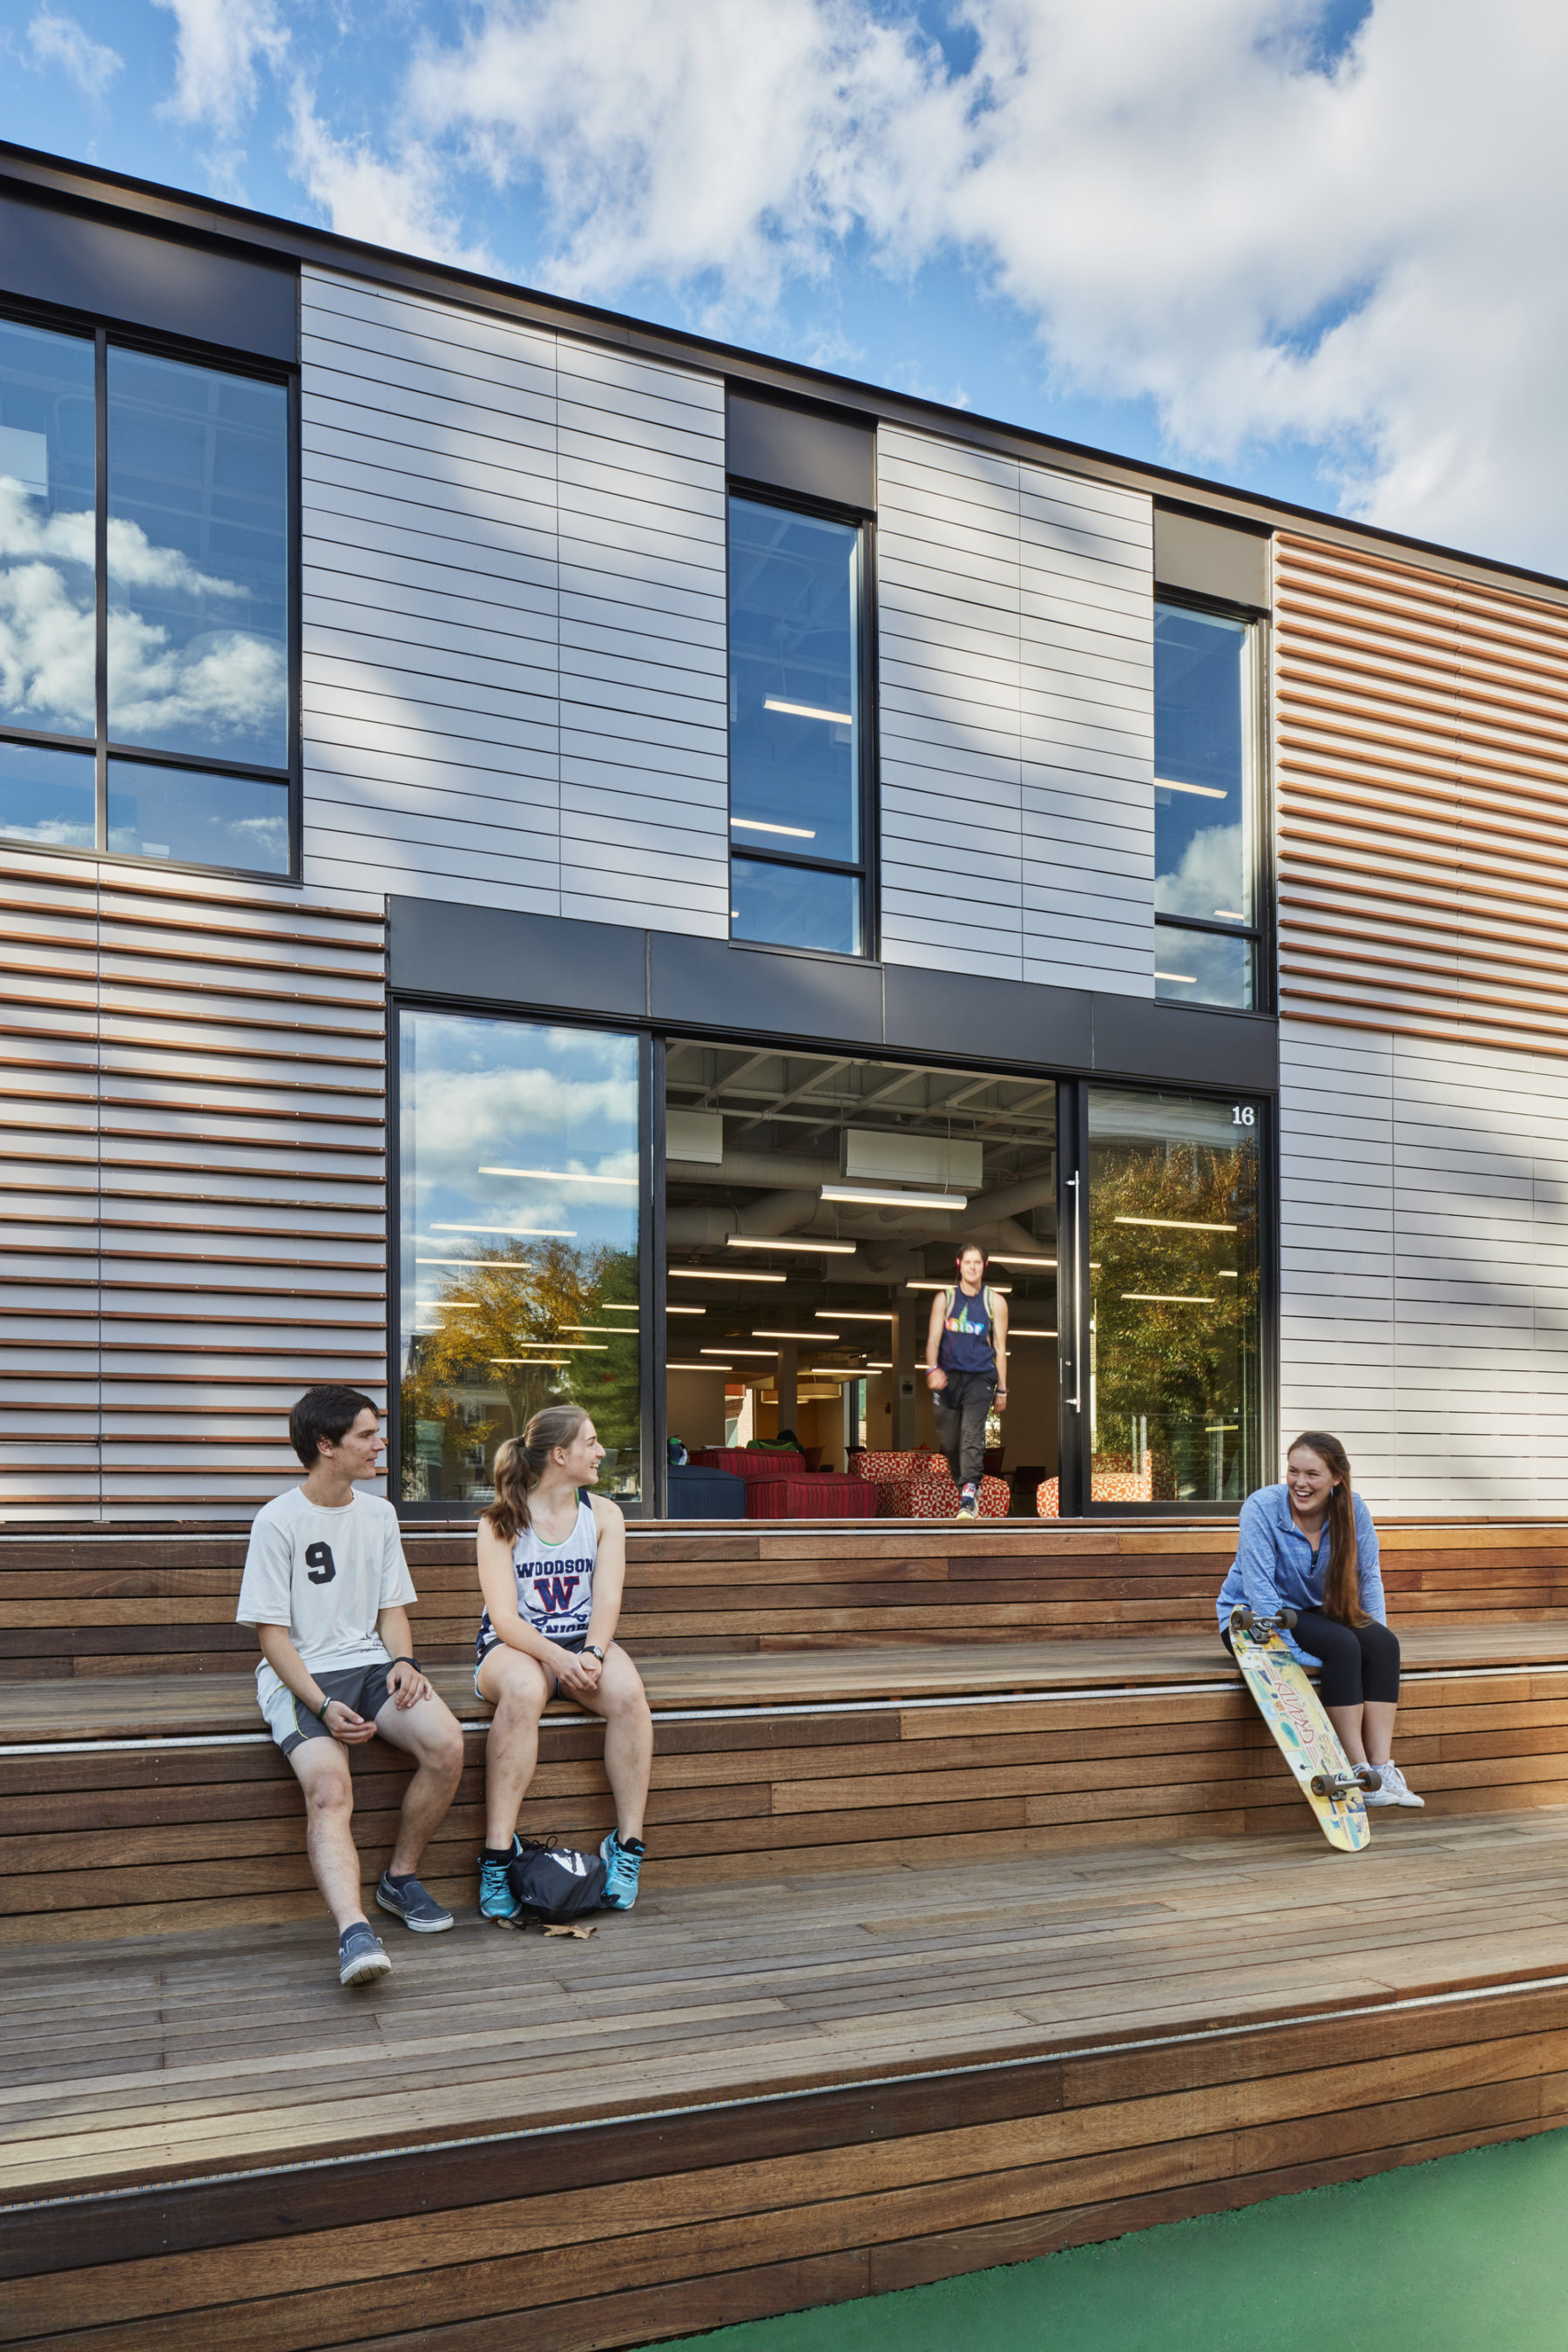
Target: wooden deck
x: 754, y: 2099
x: 980, y: 1916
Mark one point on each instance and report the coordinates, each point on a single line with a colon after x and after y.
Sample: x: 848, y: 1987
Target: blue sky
x: 1309, y: 245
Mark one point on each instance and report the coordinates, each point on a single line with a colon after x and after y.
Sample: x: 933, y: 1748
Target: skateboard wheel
x: 1368, y: 1778
x: 1320, y: 1787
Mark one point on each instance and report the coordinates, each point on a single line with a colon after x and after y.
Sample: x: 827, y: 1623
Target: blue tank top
x: 555, y: 1582
x: 967, y: 1345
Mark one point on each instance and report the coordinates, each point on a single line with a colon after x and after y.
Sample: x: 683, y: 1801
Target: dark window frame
x: 1073, y: 1213
x: 291, y: 775
x: 1258, y: 737
x: 868, y: 763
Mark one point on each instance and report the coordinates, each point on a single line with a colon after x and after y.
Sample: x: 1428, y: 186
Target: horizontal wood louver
x: 1422, y: 734
x: 193, y: 1193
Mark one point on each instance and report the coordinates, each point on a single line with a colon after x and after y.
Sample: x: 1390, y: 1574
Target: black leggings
x: 1359, y: 1661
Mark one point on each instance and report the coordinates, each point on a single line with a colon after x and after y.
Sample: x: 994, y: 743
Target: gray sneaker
x: 1393, y: 1790
x: 360, y: 1956
x: 408, y: 1901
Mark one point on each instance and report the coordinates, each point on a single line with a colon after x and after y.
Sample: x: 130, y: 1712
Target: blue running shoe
x: 622, y: 1865
x: 497, y: 1900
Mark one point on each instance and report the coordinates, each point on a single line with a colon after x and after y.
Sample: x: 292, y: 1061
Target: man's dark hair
x: 329, y: 1412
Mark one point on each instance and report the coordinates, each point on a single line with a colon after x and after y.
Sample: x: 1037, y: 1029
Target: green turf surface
x: 1466, y: 2254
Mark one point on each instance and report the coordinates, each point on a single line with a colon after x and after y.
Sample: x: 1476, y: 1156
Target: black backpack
x: 554, y: 1883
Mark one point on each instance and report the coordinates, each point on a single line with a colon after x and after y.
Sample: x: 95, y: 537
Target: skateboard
x: 1302, y: 1732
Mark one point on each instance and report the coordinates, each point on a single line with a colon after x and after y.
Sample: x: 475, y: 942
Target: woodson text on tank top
x: 555, y: 1581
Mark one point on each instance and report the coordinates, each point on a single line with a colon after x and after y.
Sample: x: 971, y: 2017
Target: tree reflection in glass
x: 1173, y: 1288
x: 520, y: 1190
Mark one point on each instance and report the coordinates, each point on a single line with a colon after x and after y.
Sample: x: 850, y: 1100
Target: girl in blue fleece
x: 1310, y: 1545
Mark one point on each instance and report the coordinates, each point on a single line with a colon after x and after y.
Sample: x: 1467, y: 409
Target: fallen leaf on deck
x: 564, y: 1928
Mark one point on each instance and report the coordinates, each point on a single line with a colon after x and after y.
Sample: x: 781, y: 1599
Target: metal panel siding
x: 192, y: 1078
x: 1423, y: 1219
x: 1422, y: 733
x: 1016, y: 653
x: 515, y: 615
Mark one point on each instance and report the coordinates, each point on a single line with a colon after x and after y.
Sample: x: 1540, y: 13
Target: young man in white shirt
x: 327, y: 1587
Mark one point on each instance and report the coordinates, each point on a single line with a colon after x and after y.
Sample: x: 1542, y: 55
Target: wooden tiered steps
x: 756, y: 2099
x: 956, y: 1943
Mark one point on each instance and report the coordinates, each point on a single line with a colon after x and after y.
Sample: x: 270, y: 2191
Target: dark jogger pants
x: 961, y: 1410
x: 1359, y: 1661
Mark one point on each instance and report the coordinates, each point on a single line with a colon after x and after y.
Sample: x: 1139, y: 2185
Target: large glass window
x: 1175, y: 1406
x: 176, y: 746
x: 794, y: 729
x: 814, y: 1206
x: 1205, y: 845
x: 519, y: 1146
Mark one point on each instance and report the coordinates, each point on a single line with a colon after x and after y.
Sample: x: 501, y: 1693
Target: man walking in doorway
x: 966, y: 1359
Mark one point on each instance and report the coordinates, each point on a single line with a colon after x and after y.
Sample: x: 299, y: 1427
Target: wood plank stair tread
x: 709, y: 1992
x: 140, y: 1707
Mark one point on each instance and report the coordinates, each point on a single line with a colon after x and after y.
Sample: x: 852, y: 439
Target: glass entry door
x: 1164, y: 1398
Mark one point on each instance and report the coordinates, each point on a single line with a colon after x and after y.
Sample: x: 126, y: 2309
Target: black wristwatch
x: 405, y: 1662
x: 591, y: 1649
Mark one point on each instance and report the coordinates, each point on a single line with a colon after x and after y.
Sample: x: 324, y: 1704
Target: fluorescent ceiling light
x: 1168, y: 1298
x: 1229, y: 915
x: 771, y: 1353
x: 620, y: 1330
x: 795, y: 1335
x: 699, y: 1368
x: 559, y: 1175
x: 521, y: 1232
x: 996, y: 1257
x: 810, y: 710
x: 1177, y: 1224
x: 476, y: 1264
x: 443, y: 1306
x: 539, y: 1363
x: 755, y: 825
x: 859, y: 1196
x: 1228, y: 1273
x: 1014, y: 1334
x: 811, y: 1249
x: 685, y: 1310
x: 855, y: 1315
x: 1002, y: 1289
x: 1187, y: 979
x: 836, y: 1373
x: 719, y: 1274
x: 1202, y: 792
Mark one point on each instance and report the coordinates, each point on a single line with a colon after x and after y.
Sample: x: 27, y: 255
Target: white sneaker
x: 1393, y: 1789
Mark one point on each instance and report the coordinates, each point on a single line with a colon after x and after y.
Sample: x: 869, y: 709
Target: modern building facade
x: 546, y: 856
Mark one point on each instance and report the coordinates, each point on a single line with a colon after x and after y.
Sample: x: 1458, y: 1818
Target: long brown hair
x: 1342, y: 1586
x: 521, y: 1465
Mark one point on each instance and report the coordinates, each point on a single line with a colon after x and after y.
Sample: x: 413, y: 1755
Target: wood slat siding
x: 1421, y: 755
x: 1424, y: 1228
x: 192, y: 1080
x: 515, y: 615
x: 1015, y: 623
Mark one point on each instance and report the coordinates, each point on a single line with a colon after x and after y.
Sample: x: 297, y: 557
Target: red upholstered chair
x: 920, y: 1486
x: 742, y: 1463
x: 811, y: 1494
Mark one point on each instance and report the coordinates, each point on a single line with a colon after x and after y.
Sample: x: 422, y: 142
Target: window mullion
x: 101, y: 584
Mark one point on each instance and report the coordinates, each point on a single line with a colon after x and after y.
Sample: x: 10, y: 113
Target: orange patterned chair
x: 920, y: 1486
x: 1115, y: 1478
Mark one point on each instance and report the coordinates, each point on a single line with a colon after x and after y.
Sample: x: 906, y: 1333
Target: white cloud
x: 218, y: 43
x: 223, y: 681
x: 400, y: 203
x: 57, y: 40
x: 1189, y: 202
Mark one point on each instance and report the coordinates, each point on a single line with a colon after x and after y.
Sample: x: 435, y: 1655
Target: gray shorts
x: 365, y: 1688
